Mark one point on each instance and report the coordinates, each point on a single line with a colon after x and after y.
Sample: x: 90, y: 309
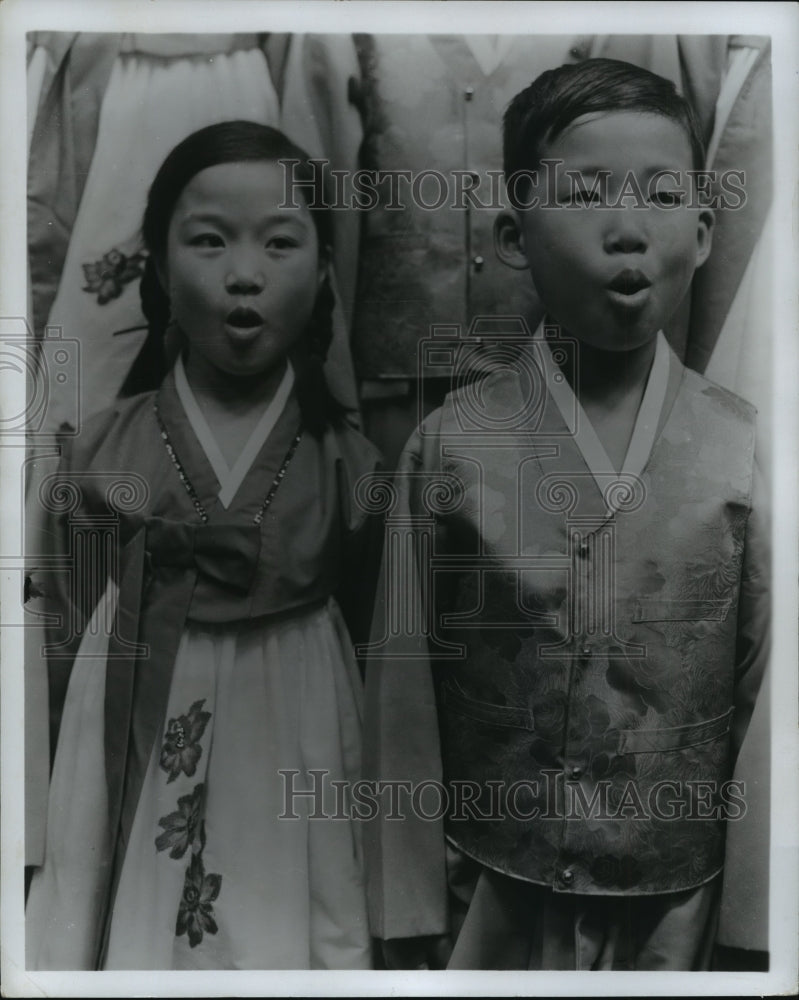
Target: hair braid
x: 317, y: 403
x: 150, y: 365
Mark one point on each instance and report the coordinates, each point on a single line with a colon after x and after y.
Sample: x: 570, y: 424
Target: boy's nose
x: 626, y: 232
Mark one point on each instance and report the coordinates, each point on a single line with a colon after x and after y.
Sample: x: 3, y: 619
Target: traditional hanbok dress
x: 213, y: 700
x: 596, y: 637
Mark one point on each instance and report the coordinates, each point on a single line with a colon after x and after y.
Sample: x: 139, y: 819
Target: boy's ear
x: 704, y: 235
x: 509, y: 241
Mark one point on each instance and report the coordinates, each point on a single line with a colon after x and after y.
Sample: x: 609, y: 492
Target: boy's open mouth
x: 629, y: 281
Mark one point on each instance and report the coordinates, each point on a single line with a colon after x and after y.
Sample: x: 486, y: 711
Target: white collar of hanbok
x: 231, y: 478
x: 585, y: 437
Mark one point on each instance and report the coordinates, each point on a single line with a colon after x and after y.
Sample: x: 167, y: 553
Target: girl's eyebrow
x: 220, y: 219
x: 203, y: 217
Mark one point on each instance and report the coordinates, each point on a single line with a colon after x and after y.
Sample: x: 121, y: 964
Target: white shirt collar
x: 646, y: 421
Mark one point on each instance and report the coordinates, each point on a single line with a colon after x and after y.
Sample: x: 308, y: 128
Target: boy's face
x: 612, y: 271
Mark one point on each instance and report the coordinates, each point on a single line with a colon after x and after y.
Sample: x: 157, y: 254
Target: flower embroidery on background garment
x: 181, y: 750
x: 108, y: 276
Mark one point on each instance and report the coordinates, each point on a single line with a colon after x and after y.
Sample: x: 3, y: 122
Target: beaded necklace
x: 196, y: 502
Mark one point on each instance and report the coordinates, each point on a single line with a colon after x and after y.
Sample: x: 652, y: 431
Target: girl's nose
x: 244, y: 277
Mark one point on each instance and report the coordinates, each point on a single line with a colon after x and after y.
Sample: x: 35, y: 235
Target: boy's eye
x: 667, y: 199
x: 580, y: 198
x: 207, y: 240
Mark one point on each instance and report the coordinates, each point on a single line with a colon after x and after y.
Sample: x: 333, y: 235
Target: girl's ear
x: 159, y: 263
x: 704, y: 235
x: 323, y: 265
x: 509, y: 241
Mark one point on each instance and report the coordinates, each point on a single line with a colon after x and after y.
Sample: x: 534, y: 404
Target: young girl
x: 225, y: 685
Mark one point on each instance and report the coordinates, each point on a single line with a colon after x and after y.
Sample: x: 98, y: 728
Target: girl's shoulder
x: 352, y: 448
x: 106, y: 429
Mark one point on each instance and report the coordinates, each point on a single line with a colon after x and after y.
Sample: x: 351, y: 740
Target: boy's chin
x: 620, y: 341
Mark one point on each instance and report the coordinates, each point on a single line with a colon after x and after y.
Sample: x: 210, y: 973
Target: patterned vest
x: 585, y: 643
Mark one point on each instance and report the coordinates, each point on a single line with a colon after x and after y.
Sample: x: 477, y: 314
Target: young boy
x: 597, y: 576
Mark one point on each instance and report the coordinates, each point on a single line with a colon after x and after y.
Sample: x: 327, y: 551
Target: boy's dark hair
x: 233, y: 142
x: 542, y: 111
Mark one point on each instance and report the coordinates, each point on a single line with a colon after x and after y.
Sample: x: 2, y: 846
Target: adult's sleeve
x: 405, y: 856
x: 743, y: 920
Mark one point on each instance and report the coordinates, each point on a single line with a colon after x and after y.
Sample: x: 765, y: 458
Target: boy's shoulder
x: 491, y: 394
x: 716, y: 397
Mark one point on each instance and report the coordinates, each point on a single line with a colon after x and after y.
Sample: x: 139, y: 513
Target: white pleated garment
x: 267, y: 892
x: 67, y: 892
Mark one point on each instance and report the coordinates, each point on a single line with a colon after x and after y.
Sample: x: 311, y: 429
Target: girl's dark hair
x: 236, y: 142
x: 556, y: 98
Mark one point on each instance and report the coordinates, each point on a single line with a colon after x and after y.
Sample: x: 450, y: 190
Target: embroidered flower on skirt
x: 196, y: 915
x: 182, y: 826
x: 107, y: 277
x: 181, y: 750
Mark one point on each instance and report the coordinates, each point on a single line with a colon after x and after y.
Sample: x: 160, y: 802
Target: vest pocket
x: 673, y: 737
x: 681, y: 611
x: 482, y: 711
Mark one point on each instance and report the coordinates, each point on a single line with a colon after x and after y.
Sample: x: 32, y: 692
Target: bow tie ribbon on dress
x: 225, y: 553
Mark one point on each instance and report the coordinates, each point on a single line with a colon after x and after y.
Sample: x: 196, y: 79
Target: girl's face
x: 241, y: 273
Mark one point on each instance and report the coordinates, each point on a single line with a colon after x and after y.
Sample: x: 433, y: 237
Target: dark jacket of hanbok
x: 127, y: 505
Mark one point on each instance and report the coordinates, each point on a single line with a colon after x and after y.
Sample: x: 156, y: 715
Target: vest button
x: 567, y: 876
x: 478, y: 263
x: 577, y: 772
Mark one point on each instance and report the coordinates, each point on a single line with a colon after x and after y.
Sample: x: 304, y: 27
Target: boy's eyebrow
x: 647, y: 172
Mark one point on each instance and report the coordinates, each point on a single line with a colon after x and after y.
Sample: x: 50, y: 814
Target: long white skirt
x: 229, y: 864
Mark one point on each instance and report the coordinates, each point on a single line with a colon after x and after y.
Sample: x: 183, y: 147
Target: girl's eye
x: 207, y: 240
x: 280, y: 243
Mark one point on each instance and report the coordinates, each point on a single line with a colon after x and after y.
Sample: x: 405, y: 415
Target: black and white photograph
x: 398, y: 431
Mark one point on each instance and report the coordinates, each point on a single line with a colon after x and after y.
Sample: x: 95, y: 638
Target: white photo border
x: 781, y: 22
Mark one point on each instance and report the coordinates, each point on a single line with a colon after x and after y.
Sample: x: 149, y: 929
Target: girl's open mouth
x: 243, y: 324
x: 244, y: 318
